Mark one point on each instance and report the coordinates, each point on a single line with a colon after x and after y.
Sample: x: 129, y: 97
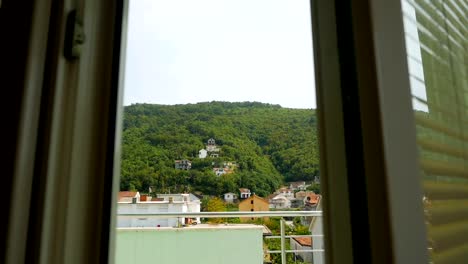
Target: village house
x: 302, y: 243
x: 280, y: 201
x: 253, y: 204
x: 298, y: 185
x: 202, y: 153
x: 297, y: 203
x: 301, y: 198
x: 244, y: 193
x: 316, y: 229
x: 311, y: 200
x: 286, y: 192
x: 183, y: 164
x: 212, y: 148
x: 284, y: 198
x: 211, y: 145
x: 230, y: 197
x: 227, y: 168
x: 128, y: 196
x: 146, y: 204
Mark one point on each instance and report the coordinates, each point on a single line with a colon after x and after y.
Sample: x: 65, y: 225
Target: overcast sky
x: 188, y: 51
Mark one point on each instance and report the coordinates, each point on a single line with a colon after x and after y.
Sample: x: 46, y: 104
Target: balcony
x: 221, y: 243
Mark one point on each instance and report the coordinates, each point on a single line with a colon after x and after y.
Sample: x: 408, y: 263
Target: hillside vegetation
x: 269, y: 144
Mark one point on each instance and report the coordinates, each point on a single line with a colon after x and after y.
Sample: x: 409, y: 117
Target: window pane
x: 436, y: 40
x: 219, y: 117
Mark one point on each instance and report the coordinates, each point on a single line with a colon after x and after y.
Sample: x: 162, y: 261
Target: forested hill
x: 269, y: 144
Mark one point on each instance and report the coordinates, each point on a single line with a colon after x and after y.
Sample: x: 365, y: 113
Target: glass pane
x: 219, y: 118
x: 436, y: 40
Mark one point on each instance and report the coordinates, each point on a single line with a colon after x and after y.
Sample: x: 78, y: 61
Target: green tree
x: 214, y: 204
x: 269, y: 143
x: 315, y: 187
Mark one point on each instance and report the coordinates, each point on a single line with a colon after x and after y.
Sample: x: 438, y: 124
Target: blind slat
x: 439, y: 127
x: 448, y: 236
x: 443, y: 168
x: 446, y: 211
x: 457, y: 255
x: 445, y: 149
x: 445, y: 191
x: 439, y: 86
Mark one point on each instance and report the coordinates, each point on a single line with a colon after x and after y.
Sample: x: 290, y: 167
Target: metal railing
x: 283, y: 251
x: 227, y: 214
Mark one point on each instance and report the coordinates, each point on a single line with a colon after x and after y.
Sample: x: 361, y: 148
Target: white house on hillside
x: 230, y: 197
x: 244, y: 193
x: 286, y: 192
x: 280, y: 201
x: 299, y: 185
x: 202, y: 153
x: 212, y: 147
x: 164, y: 203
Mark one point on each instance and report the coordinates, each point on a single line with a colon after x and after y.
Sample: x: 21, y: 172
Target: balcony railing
x: 238, y: 214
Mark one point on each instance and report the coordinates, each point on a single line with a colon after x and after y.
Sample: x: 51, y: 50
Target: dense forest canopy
x: 269, y: 144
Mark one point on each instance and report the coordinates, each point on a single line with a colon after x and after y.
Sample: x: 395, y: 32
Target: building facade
x: 253, y: 204
x: 165, y: 203
x: 230, y: 197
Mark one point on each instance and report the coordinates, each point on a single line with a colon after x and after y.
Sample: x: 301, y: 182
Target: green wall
x: 193, y: 245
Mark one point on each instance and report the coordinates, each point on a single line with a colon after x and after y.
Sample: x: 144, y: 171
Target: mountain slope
x: 269, y: 144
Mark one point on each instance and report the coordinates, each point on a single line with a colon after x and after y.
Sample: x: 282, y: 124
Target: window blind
x: 436, y: 41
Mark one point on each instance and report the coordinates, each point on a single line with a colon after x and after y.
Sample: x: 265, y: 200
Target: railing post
x: 283, y: 242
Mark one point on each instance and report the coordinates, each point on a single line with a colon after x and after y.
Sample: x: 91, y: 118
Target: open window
x: 65, y: 130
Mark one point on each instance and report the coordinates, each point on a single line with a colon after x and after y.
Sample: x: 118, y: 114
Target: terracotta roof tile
x: 304, y: 241
x: 126, y: 194
x: 314, y: 198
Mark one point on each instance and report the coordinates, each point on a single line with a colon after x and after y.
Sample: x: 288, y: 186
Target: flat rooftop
x: 265, y: 230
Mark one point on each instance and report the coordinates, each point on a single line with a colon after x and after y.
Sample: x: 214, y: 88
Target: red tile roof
x: 314, y: 198
x: 127, y: 194
x: 304, y: 241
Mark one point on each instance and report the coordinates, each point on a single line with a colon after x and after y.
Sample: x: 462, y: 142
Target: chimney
x: 171, y: 199
x: 134, y: 200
